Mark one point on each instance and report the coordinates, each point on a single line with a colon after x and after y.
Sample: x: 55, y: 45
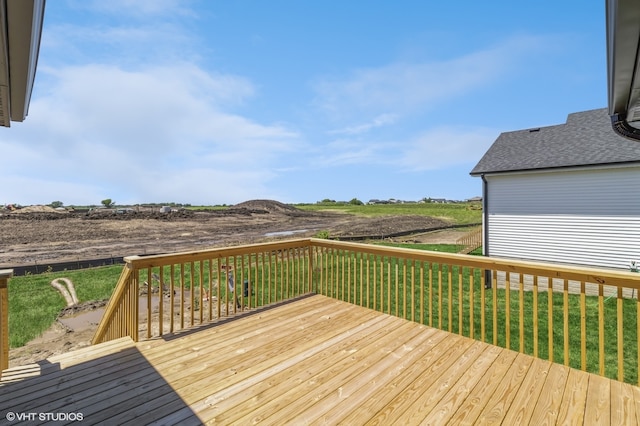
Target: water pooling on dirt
x: 285, y: 233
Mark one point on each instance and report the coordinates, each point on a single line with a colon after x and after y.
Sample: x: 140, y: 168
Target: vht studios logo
x: 51, y: 417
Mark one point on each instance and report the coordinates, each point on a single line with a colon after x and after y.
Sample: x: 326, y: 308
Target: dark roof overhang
x: 623, y: 39
x: 20, y: 33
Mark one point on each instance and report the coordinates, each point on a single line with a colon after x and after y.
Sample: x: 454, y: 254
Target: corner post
x: 5, y: 274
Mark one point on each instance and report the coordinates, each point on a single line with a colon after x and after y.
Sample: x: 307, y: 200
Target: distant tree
x: 356, y: 202
x: 108, y: 202
x: 56, y: 204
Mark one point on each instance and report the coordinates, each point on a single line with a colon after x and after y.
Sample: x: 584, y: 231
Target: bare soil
x: 46, y: 236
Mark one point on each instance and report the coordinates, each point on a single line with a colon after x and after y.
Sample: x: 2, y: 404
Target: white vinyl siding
x: 588, y: 217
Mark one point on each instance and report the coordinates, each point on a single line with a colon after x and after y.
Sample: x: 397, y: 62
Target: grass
x: 456, y: 213
x: 444, y: 248
x: 34, y: 304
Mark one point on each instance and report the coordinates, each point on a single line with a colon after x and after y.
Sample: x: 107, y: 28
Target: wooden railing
x: 120, y: 318
x: 470, y: 241
x: 586, y: 318
x: 5, y: 274
x: 168, y: 293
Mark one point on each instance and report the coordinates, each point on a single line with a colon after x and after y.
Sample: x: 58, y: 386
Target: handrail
x: 5, y: 274
x: 551, y: 311
x: 120, y: 313
x: 161, y: 294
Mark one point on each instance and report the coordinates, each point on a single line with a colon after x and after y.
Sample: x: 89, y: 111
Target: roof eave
x: 21, y: 24
x: 623, y: 37
x: 551, y: 169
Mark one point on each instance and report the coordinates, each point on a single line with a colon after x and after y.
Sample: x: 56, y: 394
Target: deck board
x: 314, y: 361
x: 436, y: 386
x: 457, y: 395
x: 529, y: 390
x: 598, y: 407
x: 392, y: 398
x: 311, y: 368
x: 548, y: 405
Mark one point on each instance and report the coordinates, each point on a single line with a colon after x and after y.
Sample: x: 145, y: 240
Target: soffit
x: 623, y: 37
x: 20, y: 33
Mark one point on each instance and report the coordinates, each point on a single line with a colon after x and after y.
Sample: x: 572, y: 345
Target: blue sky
x: 212, y: 102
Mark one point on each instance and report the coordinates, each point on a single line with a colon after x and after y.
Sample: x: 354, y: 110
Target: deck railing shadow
x: 104, y: 384
x: 224, y: 320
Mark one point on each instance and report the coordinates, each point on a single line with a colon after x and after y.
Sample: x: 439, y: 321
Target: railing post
x: 5, y: 274
x: 311, y: 265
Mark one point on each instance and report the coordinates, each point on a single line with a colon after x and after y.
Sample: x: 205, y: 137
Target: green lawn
x: 443, y: 248
x: 34, y: 304
x: 456, y: 213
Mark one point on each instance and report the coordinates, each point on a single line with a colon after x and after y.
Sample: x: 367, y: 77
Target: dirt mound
x: 130, y: 214
x: 270, y: 206
x: 36, y: 213
x: 39, y: 209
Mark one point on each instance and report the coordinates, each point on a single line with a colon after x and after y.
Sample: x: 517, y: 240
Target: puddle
x: 83, y: 321
x: 89, y: 319
x: 284, y: 233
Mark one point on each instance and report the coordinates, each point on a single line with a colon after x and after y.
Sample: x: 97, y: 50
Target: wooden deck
x: 318, y: 361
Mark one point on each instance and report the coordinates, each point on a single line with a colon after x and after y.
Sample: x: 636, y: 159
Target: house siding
x: 581, y: 216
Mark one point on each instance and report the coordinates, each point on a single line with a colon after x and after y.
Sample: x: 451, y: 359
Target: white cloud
x: 434, y: 149
x: 28, y: 190
x: 409, y: 92
x: 204, y: 185
x: 344, y: 151
x: 443, y: 147
x: 131, y: 115
x: 404, y: 86
x: 162, y: 131
x: 379, y: 121
x: 139, y: 8
x: 124, y: 32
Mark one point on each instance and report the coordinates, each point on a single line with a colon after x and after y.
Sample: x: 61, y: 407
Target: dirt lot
x: 44, y: 236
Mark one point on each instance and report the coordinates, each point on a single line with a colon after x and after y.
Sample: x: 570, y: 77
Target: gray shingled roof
x: 586, y: 139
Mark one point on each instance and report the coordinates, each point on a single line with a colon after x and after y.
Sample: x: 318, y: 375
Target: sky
x: 217, y: 102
